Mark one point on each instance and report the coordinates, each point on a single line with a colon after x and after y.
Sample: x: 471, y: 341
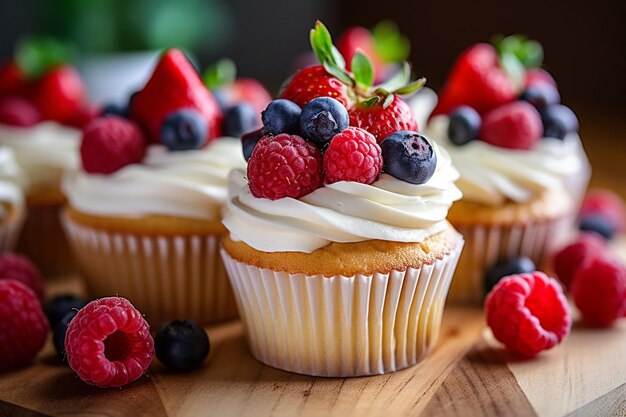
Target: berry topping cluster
x: 498, y: 94
x: 331, y: 124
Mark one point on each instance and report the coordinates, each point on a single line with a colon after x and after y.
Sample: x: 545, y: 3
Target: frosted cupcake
x: 339, y: 251
x: 523, y: 169
x: 145, y: 219
x: 12, y: 207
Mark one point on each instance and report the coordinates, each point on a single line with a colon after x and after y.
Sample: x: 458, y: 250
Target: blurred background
x: 584, y: 43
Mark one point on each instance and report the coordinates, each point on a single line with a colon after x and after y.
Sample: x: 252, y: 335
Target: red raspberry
x: 284, y: 166
x: 607, y: 204
x: 16, y: 111
x: 23, y: 325
x: 108, y: 343
x: 383, y: 121
x: 353, y: 155
x: 538, y: 75
x: 599, y: 291
x: 569, y: 260
x: 19, y: 268
x: 515, y: 126
x: 528, y: 313
x: 111, y: 143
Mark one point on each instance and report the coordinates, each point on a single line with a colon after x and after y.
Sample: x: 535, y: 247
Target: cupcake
x: 523, y: 169
x: 42, y: 107
x: 144, y: 212
x: 339, y: 252
x: 12, y: 207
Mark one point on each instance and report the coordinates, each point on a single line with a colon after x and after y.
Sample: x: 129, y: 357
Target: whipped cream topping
x: 388, y: 209
x: 490, y: 175
x: 44, y: 151
x: 189, y: 184
x: 10, y: 177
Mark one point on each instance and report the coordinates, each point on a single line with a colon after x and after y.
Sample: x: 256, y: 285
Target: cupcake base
x: 342, y: 326
x: 10, y: 228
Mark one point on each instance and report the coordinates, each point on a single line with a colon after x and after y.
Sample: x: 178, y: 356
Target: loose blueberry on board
x: 322, y: 118
x: 57, y: 307
x: 408, y: 156
x: 240, y: 119
x: 249, y: 141
x: 541, y: 95
x: 558, y: 121
x: 598, y: 224
x: 181, y: 345
x: 281, y: 116
x: 464, y: 125
x: 114, y: 110
x: 58, y: 336
x: 184, y: 130
x: 511, y: 266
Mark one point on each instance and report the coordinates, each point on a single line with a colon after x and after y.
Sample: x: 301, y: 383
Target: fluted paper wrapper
x: 165, y: 277
x: 10, y: 231
x: 485, y: 245
x: 342, y: 326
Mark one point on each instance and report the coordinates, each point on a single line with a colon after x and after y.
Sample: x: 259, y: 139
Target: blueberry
x: 59, y: 330
x: 541, y: 95
x: 114, y: 110
x: 222, y: 97
x: 464, y: 125
x: 322, y: 118
x: 281, y: 116
x: 240, y: 119
x: 511, y: 266
x: 597, y: 223
x: 249, y: 141
x: 558, y: 121
x: 181, y: 345
x: 408, y: 156
x: 183, y: 130
x: 56, y: 308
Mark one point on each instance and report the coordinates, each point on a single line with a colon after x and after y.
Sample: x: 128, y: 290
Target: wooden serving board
x: 468, y: 374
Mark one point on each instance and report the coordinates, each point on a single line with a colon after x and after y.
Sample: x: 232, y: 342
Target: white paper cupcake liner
x: 486, y: 245
x: 10, y: 232
x: 165, y: 277
x: 342, y: 326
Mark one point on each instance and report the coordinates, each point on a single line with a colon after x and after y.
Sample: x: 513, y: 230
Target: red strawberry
x: 12, y: 79
x: 355, y: 38
x: 515, y: 126
x: 59, y: 94
x: 476, y: 80
x: 382, y: 121
x: 174, y: 85
x: 313, y: 82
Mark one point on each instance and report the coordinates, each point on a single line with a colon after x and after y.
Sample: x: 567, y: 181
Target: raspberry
x: 16, y: 111
x: 599, y: 291
x: 23, y: 326
x: 515, y: 126
x: 284, y: 166
x: 607, y: 204
x: 110, y: 143
x: 108, y: 343
x: 353, y: 155
x: 577, y: 254
x: 528, y: 313
x: 19, y: 268
x: 538, y: 75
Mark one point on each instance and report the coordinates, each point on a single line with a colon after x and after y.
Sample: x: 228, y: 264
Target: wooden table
x: 468, y: 374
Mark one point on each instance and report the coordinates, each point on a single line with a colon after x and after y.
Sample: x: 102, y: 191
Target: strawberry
x: 515, y: 125
x: 476, y: 80
x: 12, y: 79
x: 174, y: 85
x: 381, y: 120
x: 59, y: 94
x: 313, y: 82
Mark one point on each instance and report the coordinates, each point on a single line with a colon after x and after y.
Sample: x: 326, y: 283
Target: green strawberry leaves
x: 224, y: 71
x: 390, y: 44
x: 529, y: 52
x: 37, y: 55
x: 328, y: 55
x: 362, y: 69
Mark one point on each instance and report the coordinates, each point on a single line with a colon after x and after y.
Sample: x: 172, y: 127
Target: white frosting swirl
x: 44, y: 151
x: 10, y: 177
x: 389, y: 209
x: 189, y: 184
x: 490, y: 175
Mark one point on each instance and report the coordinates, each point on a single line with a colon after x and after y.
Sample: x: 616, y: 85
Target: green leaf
x: 399, y: 79
x: 224, y: 71
x: 411, y: 87
x: 339, y: 73
x: 388, y: 100
x: 37, y: 55
x: 513, y: 68
x: 390, y: 44
x: 362, y: 69
x: 322, y: 43
x: 528, y: 52
x: 370, y: 101
x: 533, y: 54
x: 339, y: 60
